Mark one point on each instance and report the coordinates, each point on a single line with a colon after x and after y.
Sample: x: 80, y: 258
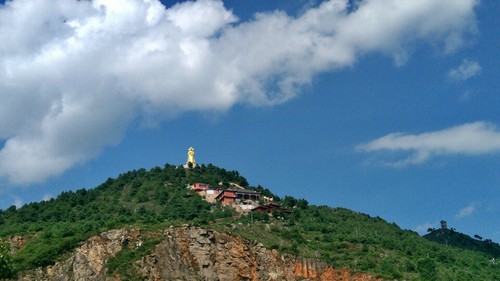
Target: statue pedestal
x: 186, y: 166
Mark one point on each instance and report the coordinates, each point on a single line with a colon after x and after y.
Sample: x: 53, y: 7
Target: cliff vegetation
x: 41, y: 234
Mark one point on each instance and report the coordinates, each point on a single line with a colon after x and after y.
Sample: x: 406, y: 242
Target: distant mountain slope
x: 456, y: 239
x: 42, y: 233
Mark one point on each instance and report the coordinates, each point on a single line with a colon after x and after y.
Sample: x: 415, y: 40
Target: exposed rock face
x: 89, y: 260
x: 16, y: 242
x: 192, y: 253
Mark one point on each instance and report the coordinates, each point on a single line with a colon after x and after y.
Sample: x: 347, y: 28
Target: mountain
x: 453, y: 238
x: 145, y: 225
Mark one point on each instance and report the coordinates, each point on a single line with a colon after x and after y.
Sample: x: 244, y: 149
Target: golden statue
x: 190, y: 158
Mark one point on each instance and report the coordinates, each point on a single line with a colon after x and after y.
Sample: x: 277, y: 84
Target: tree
x: 427, y: 269
x: 302, y: 203
x: 6, y: 269
x: 289, y: 201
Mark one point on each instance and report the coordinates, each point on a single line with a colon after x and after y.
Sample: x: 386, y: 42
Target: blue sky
x: 389, y: 108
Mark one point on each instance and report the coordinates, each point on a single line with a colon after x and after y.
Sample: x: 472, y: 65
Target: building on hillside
x: 200, y: 186
x: 242, y: 200
x: 211, y: 194
x: 269, y: 208
x: 205, y: 191
x: 233, y: 196
x: 246, y: 206
x: 268, y: 199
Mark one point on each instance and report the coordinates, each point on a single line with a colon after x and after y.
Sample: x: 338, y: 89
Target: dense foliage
x: 137, y: 197
x: 456, y: 239
x: 6, y: 269
x: 154, y: 199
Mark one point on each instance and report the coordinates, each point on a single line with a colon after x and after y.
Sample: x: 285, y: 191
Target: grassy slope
x: 157, y: 198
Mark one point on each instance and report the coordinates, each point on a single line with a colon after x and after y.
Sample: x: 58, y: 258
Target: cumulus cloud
x: 76, y: 73
x: 467, y: 211
x: 466, y: 70
x: 477, y: 138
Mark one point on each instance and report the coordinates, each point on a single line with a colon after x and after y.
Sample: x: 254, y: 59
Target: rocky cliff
x: 190, y: 253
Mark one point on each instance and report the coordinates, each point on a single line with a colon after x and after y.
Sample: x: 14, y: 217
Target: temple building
x: 241, y: 199
x: 233, y: 196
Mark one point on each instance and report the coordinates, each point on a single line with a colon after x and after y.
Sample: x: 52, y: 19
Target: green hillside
x: 154, y: 199
x: 453, y: 238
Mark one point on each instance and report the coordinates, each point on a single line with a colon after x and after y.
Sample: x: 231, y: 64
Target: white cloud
x: 466, y: 70
x: 477, y: 138
x: 467, y: 211
x: 76, y: 73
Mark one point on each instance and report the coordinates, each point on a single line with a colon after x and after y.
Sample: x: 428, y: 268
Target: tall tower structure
x: 444, y: 225
x: 190, y: 158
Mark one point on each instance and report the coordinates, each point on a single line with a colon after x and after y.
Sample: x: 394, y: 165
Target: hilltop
x: 42, y: 234
x: 453, y: 238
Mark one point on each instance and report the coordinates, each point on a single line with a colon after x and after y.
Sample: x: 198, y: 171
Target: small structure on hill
x: 269, y: 208
x: 444, y: 225
x: 205, y: 191
x: 211, y: 194
x: 199, y: 187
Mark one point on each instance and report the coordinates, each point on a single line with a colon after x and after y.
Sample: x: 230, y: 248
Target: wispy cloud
x: 18, y: 202
x: 465, y: 71
x: 465, y: 96
x: 477, y: 138
x: 75, y: 74
x: 422, y: 228
x: 467, y: 211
